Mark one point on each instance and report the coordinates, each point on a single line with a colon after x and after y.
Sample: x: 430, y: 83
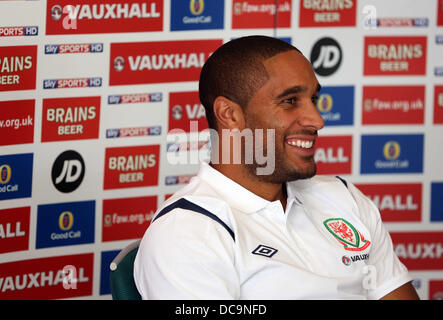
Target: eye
x: 291, y: 101
x: 314, y: 100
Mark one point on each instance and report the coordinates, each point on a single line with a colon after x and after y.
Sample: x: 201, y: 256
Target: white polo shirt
x: 329, y: 243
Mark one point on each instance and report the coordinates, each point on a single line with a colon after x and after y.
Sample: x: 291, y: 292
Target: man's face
x: 287, y: 104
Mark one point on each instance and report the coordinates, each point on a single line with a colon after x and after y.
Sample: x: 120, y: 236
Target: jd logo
x: 68, y: 171
x: 326, y: 56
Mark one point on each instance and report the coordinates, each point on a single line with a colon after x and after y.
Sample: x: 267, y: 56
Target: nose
x: 311, y: 117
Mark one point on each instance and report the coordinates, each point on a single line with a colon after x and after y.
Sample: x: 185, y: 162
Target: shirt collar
x: 234, y: 194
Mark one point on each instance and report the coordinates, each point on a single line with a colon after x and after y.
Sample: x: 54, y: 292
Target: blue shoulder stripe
x: 342, y: 180
x: 188, y: 205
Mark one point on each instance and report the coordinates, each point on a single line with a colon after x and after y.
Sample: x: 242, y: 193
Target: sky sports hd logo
x: 74, y: 48
x: 336, y: 105
x: 92, y: 82
x: 16, y: 176
x: 197, y: 15
x: 19, y: 31
x: 398, y: 153
x: 65, y: 224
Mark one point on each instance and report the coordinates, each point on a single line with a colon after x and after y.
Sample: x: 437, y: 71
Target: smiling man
x: 232, y: 233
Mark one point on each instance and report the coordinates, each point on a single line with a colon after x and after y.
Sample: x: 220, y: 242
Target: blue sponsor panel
x: 16, y: 176
x: 436, y: 201
x: 336, y: 105
x: 197, y: 14
x: 65, y: 224
x: 105, y: 274
x: 398, y: 153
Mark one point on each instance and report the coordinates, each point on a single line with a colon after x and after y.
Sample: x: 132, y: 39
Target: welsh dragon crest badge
x: 346, y: 234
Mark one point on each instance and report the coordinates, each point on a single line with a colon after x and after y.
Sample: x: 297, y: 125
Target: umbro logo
x: 265, y: 251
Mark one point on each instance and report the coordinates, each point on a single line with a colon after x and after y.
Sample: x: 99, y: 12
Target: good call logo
x: 391, y: 150
x: 65, y: 220
x: 196, y: 6
x: 324, y: 103
x: 5, y: 174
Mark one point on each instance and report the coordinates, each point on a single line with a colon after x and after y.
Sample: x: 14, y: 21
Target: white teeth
x: 301, y: 144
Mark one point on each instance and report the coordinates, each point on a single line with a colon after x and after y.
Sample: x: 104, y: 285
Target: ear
x: 228, y: 113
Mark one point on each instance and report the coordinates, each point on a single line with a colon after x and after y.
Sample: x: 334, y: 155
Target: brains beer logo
x: 346, y: 234
x: 391, y: 150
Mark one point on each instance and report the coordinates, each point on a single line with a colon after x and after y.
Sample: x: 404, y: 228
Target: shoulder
x: 194, y: 211
x: 323, y: 191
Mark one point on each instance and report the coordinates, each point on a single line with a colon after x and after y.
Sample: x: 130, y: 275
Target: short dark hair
x: 236, y: 71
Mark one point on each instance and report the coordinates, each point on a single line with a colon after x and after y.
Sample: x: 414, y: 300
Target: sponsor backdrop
x: 96, y: 104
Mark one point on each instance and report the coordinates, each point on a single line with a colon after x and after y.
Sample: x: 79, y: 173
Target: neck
x: 241, y: 175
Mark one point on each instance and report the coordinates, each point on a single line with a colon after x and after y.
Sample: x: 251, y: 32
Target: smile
x: 305, y: 144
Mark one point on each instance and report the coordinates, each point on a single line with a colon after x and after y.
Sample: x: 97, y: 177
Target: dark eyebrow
x: 295, y: 90
x: 292, y: 90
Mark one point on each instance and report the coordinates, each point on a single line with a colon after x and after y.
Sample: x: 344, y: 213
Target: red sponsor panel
x: 333, y: 154
x: 18, y: 67
x: 393, y: 104
x: 111, y: 16
x: 14, y: 229
x: 395, y: 55
x: 47, y: 278
x: 440, y: 13
x: 419, y: 250
x: 435, y: 289
x: 185, y: 107
x: 315, y: 13
x: 252, y: 14
x: 438, y: 104
x: 129, y: 167
x: 70, y: 118
x: 397, y: 202
x: 156, y: 62
x: 127, y: 218
x: 16, y: 122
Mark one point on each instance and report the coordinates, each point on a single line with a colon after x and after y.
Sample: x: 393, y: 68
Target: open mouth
x: 304, y: 145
